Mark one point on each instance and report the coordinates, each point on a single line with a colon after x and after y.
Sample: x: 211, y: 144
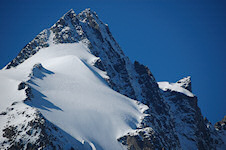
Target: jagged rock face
x: 190, y: 126
x: 40, y: 41
x: 188, y: 115
x: 26, y: 128
x: 220, y: 132
x: 221, y: 125
x: 158, y: 117
x: 217, y: 137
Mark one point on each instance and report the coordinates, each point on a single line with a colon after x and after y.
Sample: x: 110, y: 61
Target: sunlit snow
x: 174, y: 87
x: 73, y: 95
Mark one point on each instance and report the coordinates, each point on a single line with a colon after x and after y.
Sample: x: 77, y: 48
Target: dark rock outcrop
x: 221, y: 125
x: 28, y: 129
x: 40, y: 41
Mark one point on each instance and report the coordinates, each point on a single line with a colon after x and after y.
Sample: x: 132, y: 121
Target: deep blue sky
x: 174, y: 39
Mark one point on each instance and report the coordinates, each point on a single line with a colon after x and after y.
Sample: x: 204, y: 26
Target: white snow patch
x: 174, y: 87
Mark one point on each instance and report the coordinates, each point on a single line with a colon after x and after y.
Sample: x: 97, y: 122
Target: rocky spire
x: 221, y: 125
x: 185, y: 83
x: 70, y: 13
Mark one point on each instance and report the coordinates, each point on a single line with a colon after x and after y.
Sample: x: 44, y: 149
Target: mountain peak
x: 88, y: 11
x: 88, y: 15
x: 69, y: 15
x: 70, y: 28
x: 80, y: 91
x: 185, y: 83
x: 71, y: 11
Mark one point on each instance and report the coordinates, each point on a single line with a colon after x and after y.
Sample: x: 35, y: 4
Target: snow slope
x: 73, y: 94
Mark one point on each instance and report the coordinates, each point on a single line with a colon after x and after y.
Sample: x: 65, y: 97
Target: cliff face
x: 220, y: 128
x: 190, y: 125
x: 172, y: 119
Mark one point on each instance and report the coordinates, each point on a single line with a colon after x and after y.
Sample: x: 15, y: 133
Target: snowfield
x: 73, y: 94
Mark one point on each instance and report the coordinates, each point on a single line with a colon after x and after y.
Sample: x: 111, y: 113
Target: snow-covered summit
x: 72, y: 87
